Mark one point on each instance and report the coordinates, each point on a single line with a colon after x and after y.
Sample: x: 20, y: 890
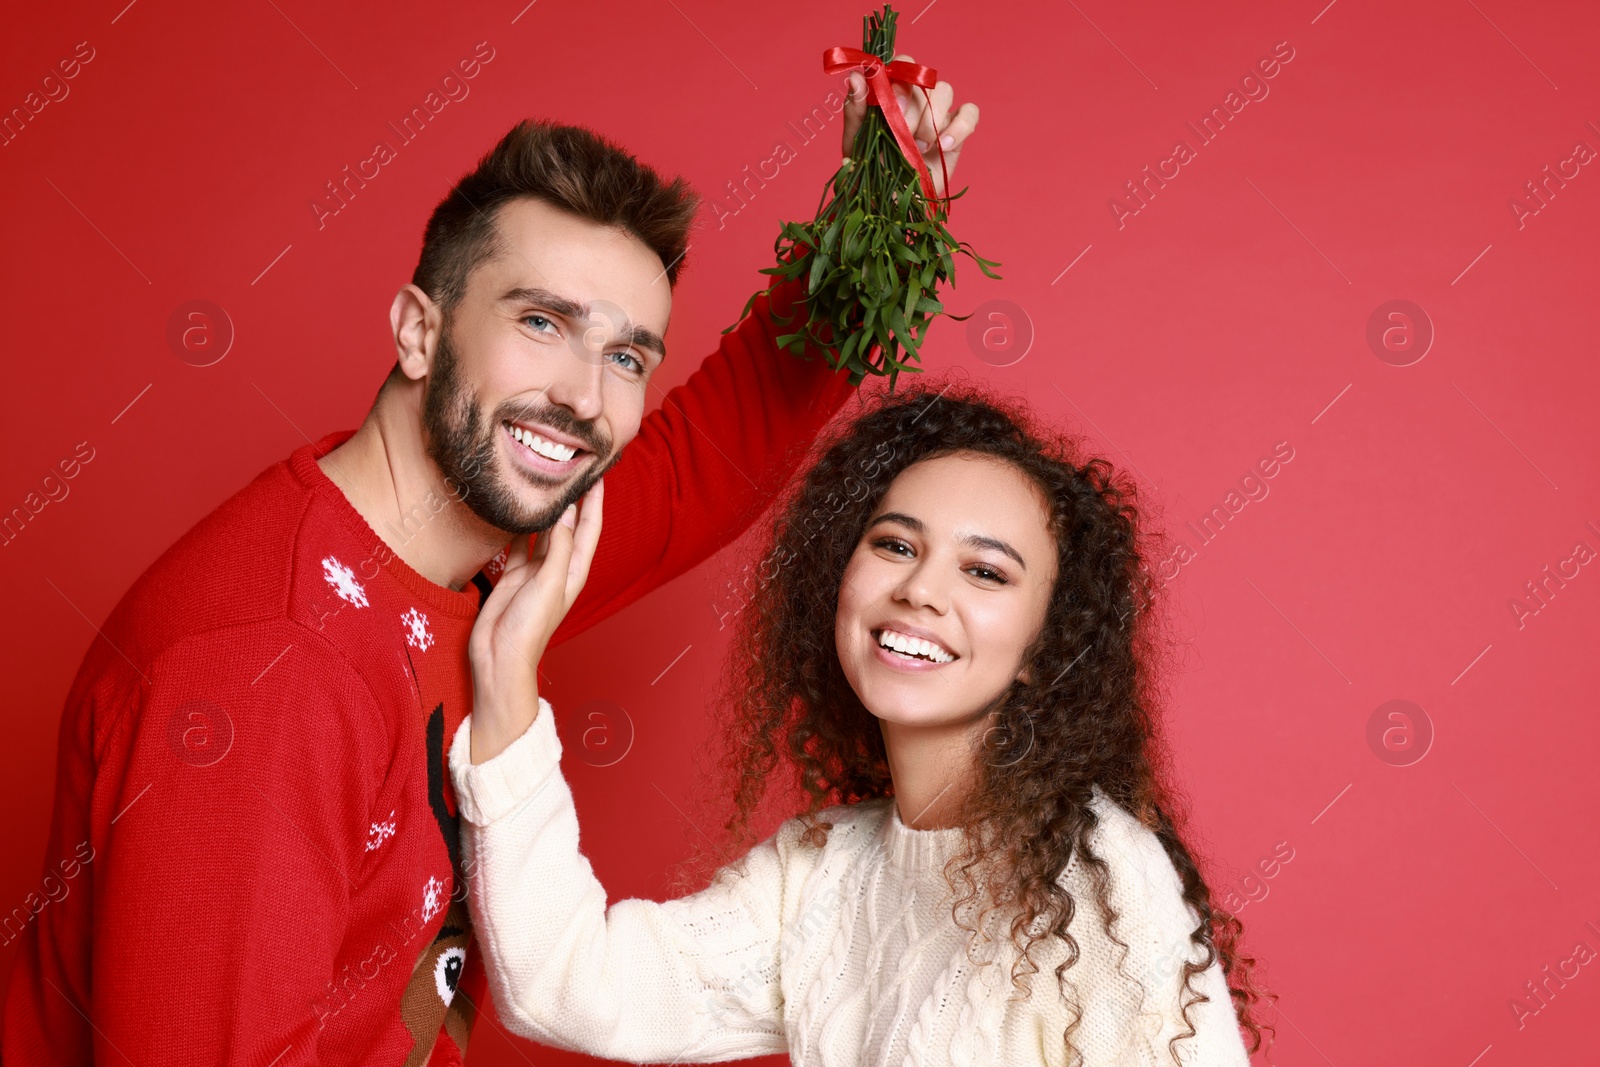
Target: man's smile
x: 542, y: 449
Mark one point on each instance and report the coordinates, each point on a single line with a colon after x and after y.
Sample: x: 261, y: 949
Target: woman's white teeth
x: 913, y: 646
x: 547, y: 449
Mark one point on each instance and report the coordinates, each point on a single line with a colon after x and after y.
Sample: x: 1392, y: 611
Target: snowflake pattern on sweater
x: 343, y: 581
x: 380, y: 832
x: 418, y: 635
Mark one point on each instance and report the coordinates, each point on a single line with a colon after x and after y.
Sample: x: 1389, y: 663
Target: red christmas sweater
x: 253, y: 821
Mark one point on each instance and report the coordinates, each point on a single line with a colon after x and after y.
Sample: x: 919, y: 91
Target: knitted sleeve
x: 227, y: 812
x: 1132, y: 999
x: 692, y: 980
x: 707, y: 462
x: 1160, y: 945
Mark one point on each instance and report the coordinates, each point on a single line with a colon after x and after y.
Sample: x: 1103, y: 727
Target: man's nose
x: 576, y: 376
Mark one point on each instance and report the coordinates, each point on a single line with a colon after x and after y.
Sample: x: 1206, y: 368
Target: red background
x: 1226, y: 316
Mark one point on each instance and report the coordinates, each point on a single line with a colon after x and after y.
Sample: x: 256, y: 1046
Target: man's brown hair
x: 568, y: 167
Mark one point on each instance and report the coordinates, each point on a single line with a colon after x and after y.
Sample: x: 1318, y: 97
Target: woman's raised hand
x: 509, y: 637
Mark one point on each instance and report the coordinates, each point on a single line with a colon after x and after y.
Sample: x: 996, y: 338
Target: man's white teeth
x: 913, y: 646
x: 547, y: 449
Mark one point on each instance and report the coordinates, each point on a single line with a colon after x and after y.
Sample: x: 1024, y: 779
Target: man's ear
x: 416, y: 322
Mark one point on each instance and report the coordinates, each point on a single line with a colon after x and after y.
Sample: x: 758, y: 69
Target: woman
x: 949, y: 650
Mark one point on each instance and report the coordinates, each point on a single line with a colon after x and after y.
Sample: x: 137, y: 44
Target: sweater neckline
x: 303, y: 465
x: 911, y: 849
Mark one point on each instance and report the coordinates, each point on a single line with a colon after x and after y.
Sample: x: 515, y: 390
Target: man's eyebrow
x: 975, y: 540
x: 566, y: 307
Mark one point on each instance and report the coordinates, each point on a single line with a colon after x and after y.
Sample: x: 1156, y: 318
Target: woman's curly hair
x: 1084, y: 719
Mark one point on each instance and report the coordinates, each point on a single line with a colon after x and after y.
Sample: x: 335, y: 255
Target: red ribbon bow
x: 880, y: 92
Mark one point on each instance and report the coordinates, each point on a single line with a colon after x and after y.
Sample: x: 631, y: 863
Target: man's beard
x: 463, y: 445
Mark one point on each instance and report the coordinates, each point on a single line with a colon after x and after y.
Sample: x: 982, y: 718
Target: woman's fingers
x: 539, y: 545
x: 516, y: 556
x: 533, y: 606
x: 552, y: 576
x: 512, y: 576
x: 586, y: 537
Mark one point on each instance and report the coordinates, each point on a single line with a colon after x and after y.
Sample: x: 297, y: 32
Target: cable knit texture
x: 842, y: 956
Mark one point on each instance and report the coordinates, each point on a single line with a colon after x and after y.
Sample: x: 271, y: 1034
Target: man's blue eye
x: 540, y: 318
x: 638, y: 364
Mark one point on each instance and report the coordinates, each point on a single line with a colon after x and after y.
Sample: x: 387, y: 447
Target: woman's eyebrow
x: 909, y: 522
x: 979, y: 541
x: 915, y: 525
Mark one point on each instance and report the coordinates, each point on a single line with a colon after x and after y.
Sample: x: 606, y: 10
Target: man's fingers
x: 914, y: 107
x: 943, y: 166
x: 855, y: 108
x: 932, y: 122
x: 928, y: 118
x: 910, y: 101
x: 961, y: 126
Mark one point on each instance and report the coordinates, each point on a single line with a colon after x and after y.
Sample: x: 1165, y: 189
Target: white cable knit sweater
x: 843, y: 956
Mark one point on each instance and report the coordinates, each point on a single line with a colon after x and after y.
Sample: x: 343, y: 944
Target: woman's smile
x: 900, y: 651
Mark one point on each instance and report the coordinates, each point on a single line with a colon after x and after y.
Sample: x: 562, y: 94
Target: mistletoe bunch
x: 876, y: 252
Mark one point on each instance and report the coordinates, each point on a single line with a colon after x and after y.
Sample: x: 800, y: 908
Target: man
x: 251, y: 797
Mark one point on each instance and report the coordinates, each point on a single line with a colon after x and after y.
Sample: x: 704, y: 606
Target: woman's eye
x: 898, y: 547
x: 988, y: 574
